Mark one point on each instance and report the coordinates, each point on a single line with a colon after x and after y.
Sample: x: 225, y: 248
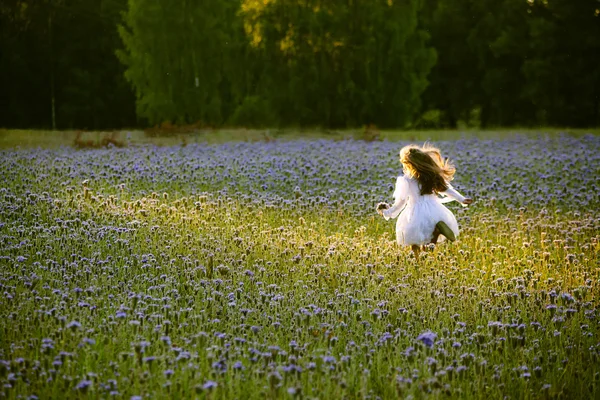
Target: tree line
x: 106, y: 64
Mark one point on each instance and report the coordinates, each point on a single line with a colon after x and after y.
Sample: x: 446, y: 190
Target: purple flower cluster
x: 248, y: 270
x: 516, y: 172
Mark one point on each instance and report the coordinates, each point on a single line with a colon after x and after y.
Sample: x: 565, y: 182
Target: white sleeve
x: 452, y: 195
x: 400, y: 197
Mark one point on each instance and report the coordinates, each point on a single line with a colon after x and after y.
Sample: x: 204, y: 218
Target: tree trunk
x: 52, y: 97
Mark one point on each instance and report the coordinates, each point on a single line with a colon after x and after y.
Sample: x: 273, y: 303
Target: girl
x: 422, y: 217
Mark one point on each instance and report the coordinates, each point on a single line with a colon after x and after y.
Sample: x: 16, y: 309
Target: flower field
x: 261, y: 270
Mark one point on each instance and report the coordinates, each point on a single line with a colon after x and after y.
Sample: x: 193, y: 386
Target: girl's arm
x: 400, y: 197
x: 394, y: 210
x: 453, y: 195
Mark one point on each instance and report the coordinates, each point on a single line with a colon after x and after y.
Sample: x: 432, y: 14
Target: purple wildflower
x: 427, y: 338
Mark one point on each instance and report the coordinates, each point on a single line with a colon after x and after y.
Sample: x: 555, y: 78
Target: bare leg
x: 435, y: 236
x: 416, y: 249
x: 445, y: 230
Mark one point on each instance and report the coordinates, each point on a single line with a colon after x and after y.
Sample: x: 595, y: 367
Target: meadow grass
x: 12, y: 138
x: 156, y: 279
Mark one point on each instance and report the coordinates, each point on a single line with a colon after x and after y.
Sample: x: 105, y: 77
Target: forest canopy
x: 110, y: 64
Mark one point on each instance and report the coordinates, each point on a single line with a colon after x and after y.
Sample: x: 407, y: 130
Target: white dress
x: 418, y: 214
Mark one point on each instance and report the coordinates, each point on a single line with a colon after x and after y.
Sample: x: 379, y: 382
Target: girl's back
x: 417, y: 213
x: 417, y: 206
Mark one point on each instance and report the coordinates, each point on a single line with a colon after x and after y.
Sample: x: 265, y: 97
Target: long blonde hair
x: 427, y: 166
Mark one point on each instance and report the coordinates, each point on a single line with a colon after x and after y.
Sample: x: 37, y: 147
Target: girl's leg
x: 435, y: 236
x: 416, y: 249
x: 445, y: 230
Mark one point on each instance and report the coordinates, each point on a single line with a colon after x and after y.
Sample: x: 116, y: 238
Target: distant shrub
x: 109, y: 139
x: 253, y: 112
x: 167, y: 128
x: 370, y: 133
x: 431, y: 119
x: 475, y: 118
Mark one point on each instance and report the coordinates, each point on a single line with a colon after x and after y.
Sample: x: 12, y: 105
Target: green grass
x: 107, y: 289
x: 11, y: 138
x: 502, y: 269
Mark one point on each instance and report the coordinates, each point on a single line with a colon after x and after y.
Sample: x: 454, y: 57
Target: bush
x: 430, y: 119
x: 253, y: 112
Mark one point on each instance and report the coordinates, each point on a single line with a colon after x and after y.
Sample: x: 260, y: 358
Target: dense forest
x: 110, y: 64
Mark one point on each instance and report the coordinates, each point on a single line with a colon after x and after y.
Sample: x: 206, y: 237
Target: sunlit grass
x: 192, y: 274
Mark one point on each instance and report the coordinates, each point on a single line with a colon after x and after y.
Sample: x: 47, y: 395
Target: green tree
x: 562, y: 72
x: 455, y: 80
x: 339, y: 63
x: 58, y: 65
x: 500, y: 41
x: 183, y: 59
x: 481, y: 47
x: 24, y: 57
x: 517, y: 62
